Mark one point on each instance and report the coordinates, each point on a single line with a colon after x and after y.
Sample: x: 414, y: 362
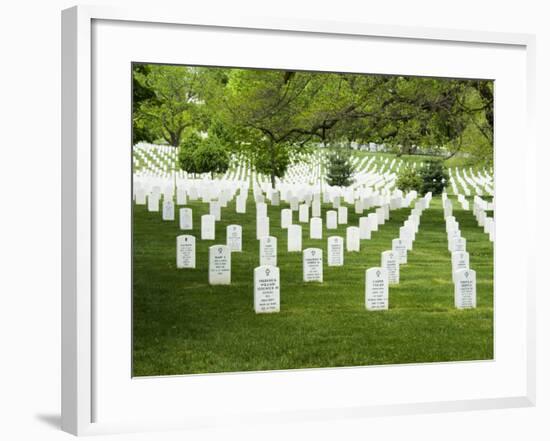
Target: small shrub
x: 434, y: 177
x: 340, y: 169
x: 409, y: 179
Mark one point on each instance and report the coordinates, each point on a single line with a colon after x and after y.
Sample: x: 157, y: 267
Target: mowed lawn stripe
x: 182, y: 325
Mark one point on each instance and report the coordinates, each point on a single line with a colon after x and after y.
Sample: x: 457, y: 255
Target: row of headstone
x: 267, y: 280
x: 334, y: 218
x: 463, y: 201
x: 487, y: 222
x: 392, y: 259
x: 464, y: 278
x: 372, y: 175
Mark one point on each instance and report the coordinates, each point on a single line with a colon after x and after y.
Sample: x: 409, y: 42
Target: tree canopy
x: 265, y: 114
x: 173, y: 101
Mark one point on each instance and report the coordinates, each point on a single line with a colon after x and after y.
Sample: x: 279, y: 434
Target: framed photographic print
x: 270, y: 220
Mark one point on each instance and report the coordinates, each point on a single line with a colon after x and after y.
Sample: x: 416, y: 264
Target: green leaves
x: 203, y: 155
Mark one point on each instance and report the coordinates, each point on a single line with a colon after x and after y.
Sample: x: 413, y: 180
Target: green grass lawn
x: 182, y: 325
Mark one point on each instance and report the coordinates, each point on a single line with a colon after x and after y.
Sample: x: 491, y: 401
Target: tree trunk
x: 273, y: 165
x: 173, y: 139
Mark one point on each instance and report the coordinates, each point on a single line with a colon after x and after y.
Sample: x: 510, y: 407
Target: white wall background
x: 30, y: 216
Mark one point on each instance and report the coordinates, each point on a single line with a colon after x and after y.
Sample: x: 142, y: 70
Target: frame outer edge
x: 533, y: 156
x: 178, y: 16
x: 75, y: 222
x: 69, y: 367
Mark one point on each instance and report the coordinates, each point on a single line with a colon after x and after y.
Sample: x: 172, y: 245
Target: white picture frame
x: 82, y: 374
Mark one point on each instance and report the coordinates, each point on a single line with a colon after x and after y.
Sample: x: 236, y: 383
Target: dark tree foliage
x: 434, y: 177
x: 340, y: 169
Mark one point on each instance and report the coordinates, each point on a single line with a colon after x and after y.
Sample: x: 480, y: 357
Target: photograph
x: 287, y: 219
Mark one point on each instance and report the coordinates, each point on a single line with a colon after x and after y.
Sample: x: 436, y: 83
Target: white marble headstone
x: 451, y: 236
x: 259, y: 197
x: 313, y: 264
x: 181, y: 196
x: 153, y: 202
x: 342, y: 215
x: 376, y: 289
x: 316, y: 228
x: 381, y: 215
x: 335, y: 249
x: 219, y: 265
x: 215, y: 210
x: 459, y: 260
x: 458, y: 244
x: 332, y: 219
x: 168, y: 210
x: 208, y: 227
x: 262, y: 227
x: 286, y: 217
x: 465, y: 288
x: 268, y: 251
x: 234, y: 237
x: 386, y: 209
x: 141, y: 196
x: 399, y: 246
x: 390, y: 261
x: 353, y: 242
x: 373, y: 220
x: 193, y: 193
x: 186, y: 219
x: 316, y: 208
x: 267, y: 296
x: 406, y: 234
x: 261, y: 210
x: 303, y: 213
x: 364, y: 228
x: 241, y: 204
x: 294, y: 235
x: 185, y: 251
